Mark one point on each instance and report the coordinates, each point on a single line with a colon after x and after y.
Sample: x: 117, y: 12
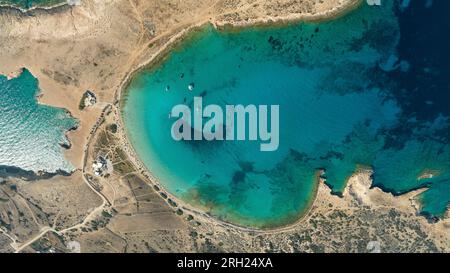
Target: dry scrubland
x: 96, y: 46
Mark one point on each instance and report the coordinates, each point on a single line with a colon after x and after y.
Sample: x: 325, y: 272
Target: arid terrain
x: 97, y: 46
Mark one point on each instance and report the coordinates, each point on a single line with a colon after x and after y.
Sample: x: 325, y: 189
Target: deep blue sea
x: 370, y: 89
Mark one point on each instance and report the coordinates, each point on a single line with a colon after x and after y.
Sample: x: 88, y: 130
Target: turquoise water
x: 31, y: 134
x: 339, y: 110
x: 32, y: 3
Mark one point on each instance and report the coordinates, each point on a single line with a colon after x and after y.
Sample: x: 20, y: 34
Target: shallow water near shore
x: 26, y: 4
x: 349, y: 96
x: 31, y: 134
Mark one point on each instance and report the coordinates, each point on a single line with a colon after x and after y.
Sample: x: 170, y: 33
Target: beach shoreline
x: 178, y: 40
x: 33, y: 8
